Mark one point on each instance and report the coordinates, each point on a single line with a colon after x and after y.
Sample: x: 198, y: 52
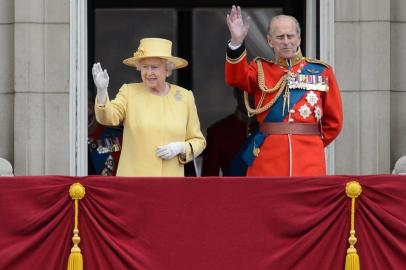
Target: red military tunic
x: 314, y: 98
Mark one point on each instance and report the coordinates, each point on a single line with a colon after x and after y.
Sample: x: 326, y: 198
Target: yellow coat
x: 150, y: 121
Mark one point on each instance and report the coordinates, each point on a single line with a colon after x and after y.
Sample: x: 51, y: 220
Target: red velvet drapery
x: 202, y: 223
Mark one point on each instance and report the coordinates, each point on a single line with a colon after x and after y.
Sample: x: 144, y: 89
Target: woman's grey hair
x: 170, y: 66
x: 278, y: 17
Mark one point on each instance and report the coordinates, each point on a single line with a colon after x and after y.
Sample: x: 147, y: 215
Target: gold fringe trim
x: 353, y: 190
x: 75, y: 262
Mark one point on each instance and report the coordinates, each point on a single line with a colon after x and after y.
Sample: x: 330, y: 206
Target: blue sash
x: 275, y: 113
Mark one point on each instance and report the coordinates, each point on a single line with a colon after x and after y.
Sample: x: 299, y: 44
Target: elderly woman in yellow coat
x: 161, y: 125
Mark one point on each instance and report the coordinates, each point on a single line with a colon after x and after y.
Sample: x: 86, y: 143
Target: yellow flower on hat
x: 140, y: 52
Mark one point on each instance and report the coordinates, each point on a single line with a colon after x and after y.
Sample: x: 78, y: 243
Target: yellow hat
x: 155, y: 47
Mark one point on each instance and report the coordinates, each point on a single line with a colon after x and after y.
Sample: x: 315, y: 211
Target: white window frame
x: 78, y: 73
x: 326, y: 49
x: 327, y: 52
x: 78, y: 88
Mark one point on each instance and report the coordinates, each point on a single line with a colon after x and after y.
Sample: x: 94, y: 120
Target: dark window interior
x: 184, y: 12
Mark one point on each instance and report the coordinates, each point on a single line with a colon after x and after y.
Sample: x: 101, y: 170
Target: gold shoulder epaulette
x: 264, y: 59
x: 316, y: 61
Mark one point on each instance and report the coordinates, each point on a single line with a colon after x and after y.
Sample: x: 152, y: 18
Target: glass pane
x: 117, y: 35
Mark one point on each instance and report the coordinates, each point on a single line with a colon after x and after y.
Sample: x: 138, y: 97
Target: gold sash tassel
x: 75, y: 262
x: 353, y: 190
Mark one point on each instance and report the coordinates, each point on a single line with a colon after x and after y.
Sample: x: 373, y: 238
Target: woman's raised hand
x: 101, y: 80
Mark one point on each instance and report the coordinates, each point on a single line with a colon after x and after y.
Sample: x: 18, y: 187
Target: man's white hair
x: 278, y: 17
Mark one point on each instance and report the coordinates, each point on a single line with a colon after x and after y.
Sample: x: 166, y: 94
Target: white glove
x: 170, y: 150
x: 101, y: 80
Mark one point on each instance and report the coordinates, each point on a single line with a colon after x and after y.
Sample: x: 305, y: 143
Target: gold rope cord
x: 353, y: 190
x: 75, y: 262
x: 281, y: 85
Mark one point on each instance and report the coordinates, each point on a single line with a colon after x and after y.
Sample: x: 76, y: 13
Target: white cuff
x: 232, y: 47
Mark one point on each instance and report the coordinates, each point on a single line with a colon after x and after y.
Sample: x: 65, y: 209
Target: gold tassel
x: 353, y: 190
x: 75, y: 262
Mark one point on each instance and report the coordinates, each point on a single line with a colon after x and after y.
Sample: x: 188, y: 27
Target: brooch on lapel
x: 178, y: 96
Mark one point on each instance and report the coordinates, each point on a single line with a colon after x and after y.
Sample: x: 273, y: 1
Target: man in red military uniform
x: 297, y: 100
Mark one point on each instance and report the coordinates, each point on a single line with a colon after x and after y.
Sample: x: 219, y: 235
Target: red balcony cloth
x: 202, y: 224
